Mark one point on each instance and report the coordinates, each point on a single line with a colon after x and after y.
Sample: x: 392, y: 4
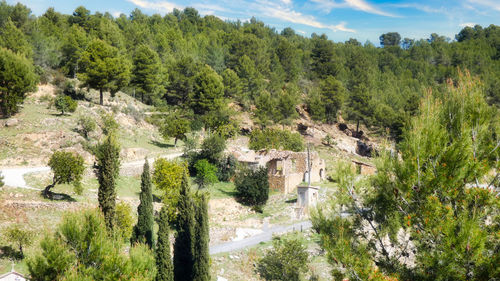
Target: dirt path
x: 266, y: 235
x: 14, y: 177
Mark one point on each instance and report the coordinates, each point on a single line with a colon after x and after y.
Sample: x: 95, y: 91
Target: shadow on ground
x: 161, y: 144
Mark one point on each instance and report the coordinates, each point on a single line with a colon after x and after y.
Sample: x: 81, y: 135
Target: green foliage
x: 17, y: 77
x: 108, y: 124
x: 107, y: 168
x: 226, y: 168
x: 202, y: 64
x: 232, y: 84
x: 80, y: 243
x: 276, y: 139
x: 191, y: 251
x: 65, y: 103
x: 102, y: 67
x: 206, y: 173
x: 430, y: 194
x: 14, y: 39
x: 1, y: 180
x: 252, y: 187
x: 201, y: 266
x: 167, y: 177
x: 212, y: 148
x: 143, y: 230
x: 67, y: 167
x: 287, y: 260
x: 175, y: 127
x: 390, y: 39
x: 87, y: 125
x: 208, y: 91
x: 164, y: 266
x: 332, y: 96
x: 287, y: 100
x: 147, y: 74
x: 124, y: 220
x: 184, y: 238
x: 19, y: 235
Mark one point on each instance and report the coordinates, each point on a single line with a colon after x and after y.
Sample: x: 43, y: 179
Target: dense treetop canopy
x: 197, y: 63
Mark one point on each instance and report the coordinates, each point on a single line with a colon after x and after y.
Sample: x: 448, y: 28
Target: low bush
x: 276, y: 139
x: 252, y: 187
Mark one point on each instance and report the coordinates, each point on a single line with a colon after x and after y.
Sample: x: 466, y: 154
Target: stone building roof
x: 12, y: 276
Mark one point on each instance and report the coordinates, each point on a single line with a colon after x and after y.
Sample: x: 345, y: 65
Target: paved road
x: 15, y: 176
x: 265, y: 236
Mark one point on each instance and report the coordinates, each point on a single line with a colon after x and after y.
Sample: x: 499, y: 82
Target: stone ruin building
x: 286, y: 169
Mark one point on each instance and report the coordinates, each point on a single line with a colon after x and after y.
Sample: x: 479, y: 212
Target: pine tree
x: 103, y: 68
x: 434, y: 200
x: 106, y: 170
x: 143, y: 230
x: 201, y: 266
x: 147, y: 73
x: 17, y: 77
x: 184, y: 240
x: 164, y: 266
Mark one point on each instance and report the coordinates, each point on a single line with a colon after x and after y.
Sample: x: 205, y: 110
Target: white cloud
x: 469, y: 24
x: 365, y: 7
x: 160, y: 6
x: 116, y: 14
x: 420, y: 7
x: 492, y: 4
x: 290, y: 15
x: 360, y: 5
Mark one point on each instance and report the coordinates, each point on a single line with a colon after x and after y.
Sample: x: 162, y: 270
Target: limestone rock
x: 11, y: 122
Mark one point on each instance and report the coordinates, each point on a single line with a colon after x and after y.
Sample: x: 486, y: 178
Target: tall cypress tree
x: 201, y: 266
x: 183, y: 247
x: 106, y: 169
x: 143, y: 230
x: 164, y: 266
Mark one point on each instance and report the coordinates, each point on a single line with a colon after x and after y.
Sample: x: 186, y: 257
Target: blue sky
x: 338, y: 19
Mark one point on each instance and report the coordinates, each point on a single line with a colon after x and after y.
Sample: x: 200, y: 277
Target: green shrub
x: 276, y: 139
x: 206, y: 173
x: 212, y: 148
x: 226, y: 168
x: 20, y: 236
x: 252, y: 187
x: 65, y: 103
x: 67, y: 167
x: 286, y: 261
x: 124, y: 220
x: 87, y: 125
x: 109, y: 124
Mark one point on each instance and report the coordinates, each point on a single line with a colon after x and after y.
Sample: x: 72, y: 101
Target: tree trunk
x: 175, y: 142
x: 357, y: 127
x: 101, y: 101
x: 21, y: 250
x: 46, y: 192
x: 142, y: 97
x: 3, y: 108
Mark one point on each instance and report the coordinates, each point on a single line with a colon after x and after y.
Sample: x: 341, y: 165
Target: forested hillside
x: 198, y: 65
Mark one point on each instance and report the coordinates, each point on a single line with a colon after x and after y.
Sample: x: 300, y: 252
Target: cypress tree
x: 164, y: 267
x: 201, y: 266
x: 143, y: 230
x: 183, y: 246
x: 106, y: 169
